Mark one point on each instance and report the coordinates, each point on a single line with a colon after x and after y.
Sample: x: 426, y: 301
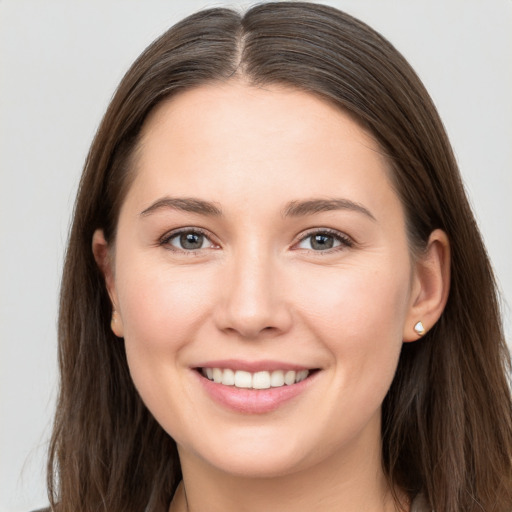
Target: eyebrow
x: 311, y: 206
x: 185, y: 204
x: 292, y: 209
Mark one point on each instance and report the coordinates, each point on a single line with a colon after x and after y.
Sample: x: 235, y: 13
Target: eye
x: 324, y: 240
x: 189, y: 240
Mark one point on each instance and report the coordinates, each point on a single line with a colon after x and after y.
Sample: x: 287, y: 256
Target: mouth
x: 259, y: 380
x: 255, y: 387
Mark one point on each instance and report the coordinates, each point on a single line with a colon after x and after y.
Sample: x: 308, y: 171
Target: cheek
x: 359, y: 315
x: 354, y: 301
x: 162, y: 312
x: 360, y: 320
x: 160, y: 308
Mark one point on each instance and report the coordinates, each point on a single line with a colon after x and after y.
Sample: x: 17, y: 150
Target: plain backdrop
x: 59, y: 65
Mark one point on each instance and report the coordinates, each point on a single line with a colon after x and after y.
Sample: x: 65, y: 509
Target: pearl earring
x: 419, y: 329
x: 114, y: 322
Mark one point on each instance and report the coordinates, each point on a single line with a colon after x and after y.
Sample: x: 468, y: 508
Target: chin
x: 252, y: 457
x: 262, y: 466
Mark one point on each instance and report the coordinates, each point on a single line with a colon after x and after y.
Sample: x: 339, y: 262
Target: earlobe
x: 103, y: 259
x: 101, y: 253
x: 430, y: 288
x: 116, y: 324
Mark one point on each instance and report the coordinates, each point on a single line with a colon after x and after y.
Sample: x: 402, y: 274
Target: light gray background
x: 59, y: 65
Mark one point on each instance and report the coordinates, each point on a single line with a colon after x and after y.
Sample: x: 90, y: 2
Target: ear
x: 430, y: 286
x: 102, y: 255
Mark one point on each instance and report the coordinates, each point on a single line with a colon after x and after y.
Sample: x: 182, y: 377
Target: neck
x: 343, y: 482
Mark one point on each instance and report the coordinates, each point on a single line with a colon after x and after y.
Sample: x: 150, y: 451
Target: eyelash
x: 344, y: 240
x: 164, y: 241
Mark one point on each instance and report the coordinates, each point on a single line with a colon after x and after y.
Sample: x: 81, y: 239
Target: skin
x: 258, y: 289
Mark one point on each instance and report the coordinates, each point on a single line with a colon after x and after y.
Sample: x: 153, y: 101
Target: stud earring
x: 419, y: 329
x: 113, y: 320
x: 114, y: 324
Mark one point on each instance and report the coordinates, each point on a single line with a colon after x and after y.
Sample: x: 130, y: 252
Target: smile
x: 257, y: 380
x: 254, y: 387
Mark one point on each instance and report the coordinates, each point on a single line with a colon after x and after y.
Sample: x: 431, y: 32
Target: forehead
x: 242, y: 112
x: 226, y: 139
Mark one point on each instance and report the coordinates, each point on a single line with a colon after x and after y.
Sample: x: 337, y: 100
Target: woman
x: 287, y: 303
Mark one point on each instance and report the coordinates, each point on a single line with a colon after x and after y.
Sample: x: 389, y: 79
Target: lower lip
x: 253, y: 401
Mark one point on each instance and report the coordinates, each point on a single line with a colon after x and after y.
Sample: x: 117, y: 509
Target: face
x: 262, y: 279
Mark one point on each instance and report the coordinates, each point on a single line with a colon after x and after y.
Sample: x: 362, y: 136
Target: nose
x: 253, y: 300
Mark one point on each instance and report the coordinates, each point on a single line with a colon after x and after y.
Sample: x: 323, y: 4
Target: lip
x: 252, y: 366
x: 253, y: 401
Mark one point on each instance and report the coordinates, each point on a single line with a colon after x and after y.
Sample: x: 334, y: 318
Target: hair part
x: 446, y: 425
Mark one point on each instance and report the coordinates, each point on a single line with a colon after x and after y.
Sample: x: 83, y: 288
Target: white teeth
x: 243, y: 379
x: 277, y: 379
x: 228, y: 377
x: 289, y: 377
x: 301, y: 375
x: 257, y: 380
x: 261, y: 380
x: 217, y: 375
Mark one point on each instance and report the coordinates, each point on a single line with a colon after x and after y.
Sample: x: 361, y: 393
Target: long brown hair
x: 446, y: 425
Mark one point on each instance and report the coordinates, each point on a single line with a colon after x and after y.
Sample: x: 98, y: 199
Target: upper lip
x: 252, y: 366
